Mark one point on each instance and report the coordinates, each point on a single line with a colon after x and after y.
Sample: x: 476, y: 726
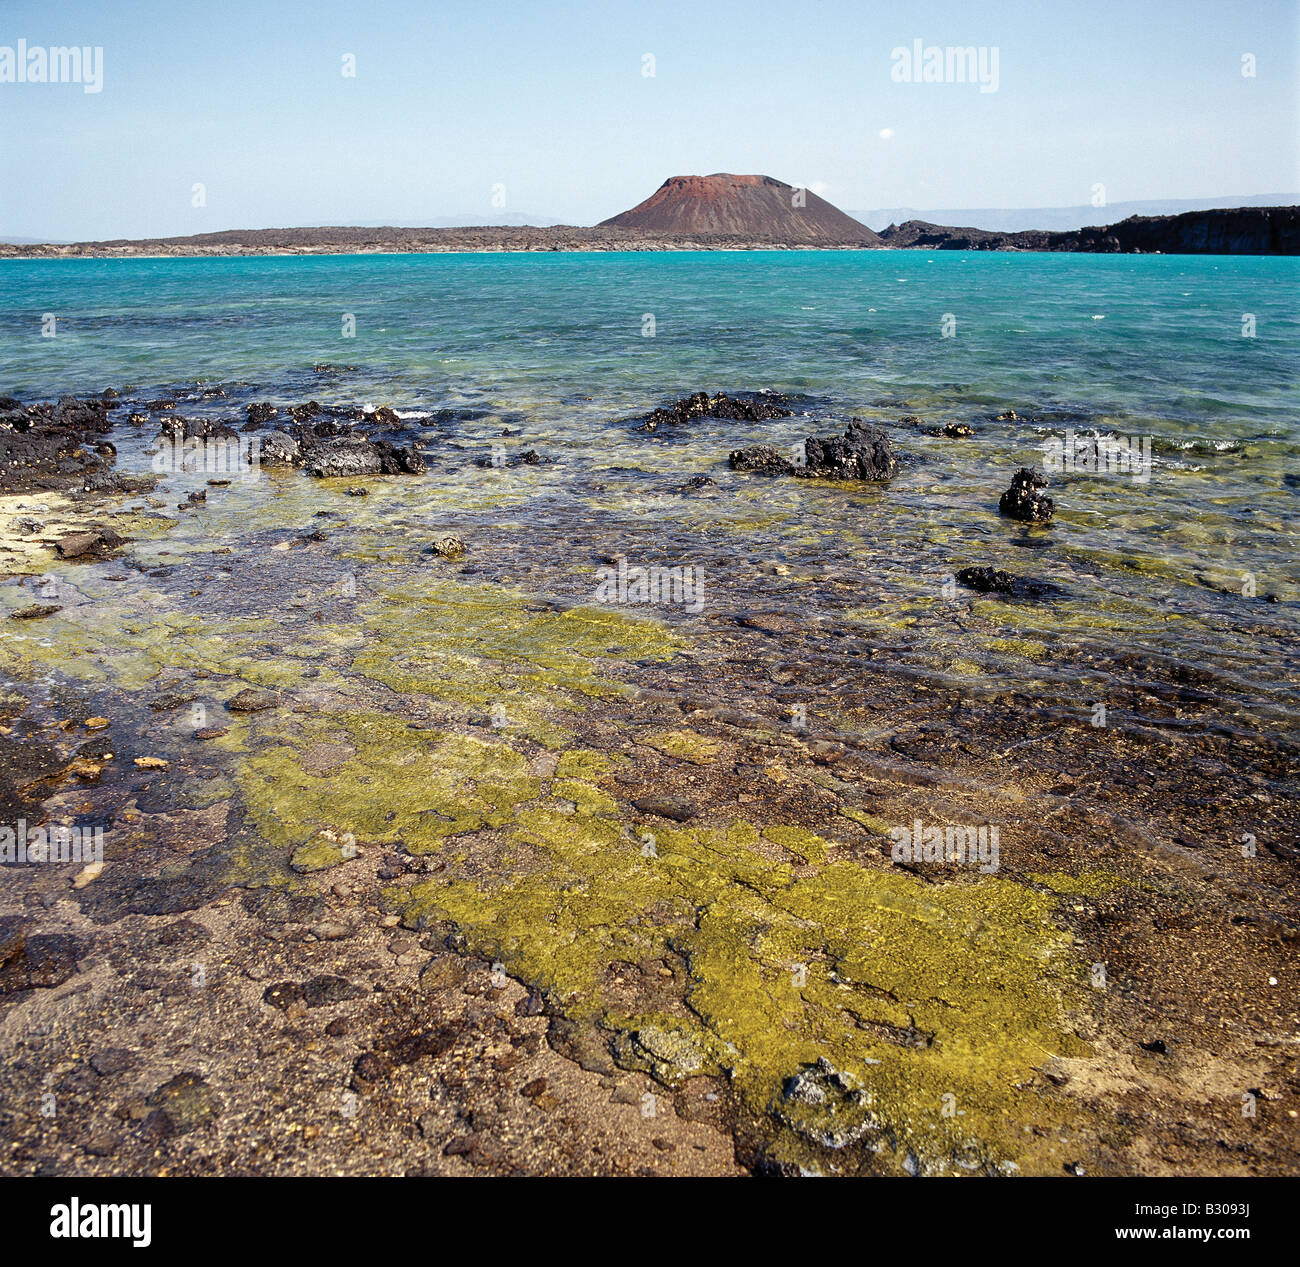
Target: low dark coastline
x: 1226, y: 231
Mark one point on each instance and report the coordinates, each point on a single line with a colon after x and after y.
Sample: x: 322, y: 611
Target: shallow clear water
x: 553, y: 346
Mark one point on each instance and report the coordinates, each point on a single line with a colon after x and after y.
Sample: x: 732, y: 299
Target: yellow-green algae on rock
x: 938, y: 1001
x: 1085, y: 884
x: 485, y: 647
x: 398, y: 784
x: 686, y: 744
x: 126, y: 644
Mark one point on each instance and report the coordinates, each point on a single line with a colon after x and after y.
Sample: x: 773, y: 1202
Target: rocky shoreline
x: 416, y: 861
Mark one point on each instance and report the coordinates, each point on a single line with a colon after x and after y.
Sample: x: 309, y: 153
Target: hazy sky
x: 452, y: 98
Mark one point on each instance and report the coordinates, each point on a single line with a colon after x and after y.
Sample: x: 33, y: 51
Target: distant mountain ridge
x: 752, y: 208
x: 1222, y: 231
x: 1064, y: 219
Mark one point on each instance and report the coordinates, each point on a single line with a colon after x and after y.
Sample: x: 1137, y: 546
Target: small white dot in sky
x: 886, y: 134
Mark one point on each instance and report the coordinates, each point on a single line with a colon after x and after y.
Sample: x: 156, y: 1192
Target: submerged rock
x: 989, y: 580
x: 448, y: 547
x: 674, y: 807
x: 30, y: 961
x: 1025, y: 500
x: 762, y: 458
x: 319, y: 991
x: 529, y: 458
x: 697, y: 482
x: 187, y: 1101
x: 252, y: 700
x: 98, y: 541
x: 986, y: 580
x: 863, y: 452
x: 670, y: 1056
x: 720, y: 405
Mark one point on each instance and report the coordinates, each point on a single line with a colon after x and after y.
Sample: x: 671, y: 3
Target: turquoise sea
x: 1197, y: 354
x: 288, y: 699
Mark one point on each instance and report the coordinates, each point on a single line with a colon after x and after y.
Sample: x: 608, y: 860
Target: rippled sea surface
x: 1193, y: 567
x: 675, y: 828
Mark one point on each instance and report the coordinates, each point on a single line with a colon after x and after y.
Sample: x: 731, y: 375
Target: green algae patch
x: 398, y: 784
x: 1085, y: 884
x: 876, y: 826
x: 798, y: 840
x: 688, y: 745
x: 587, y: 797
x: 919, y: 996
x: 586, y: 763
x: 127, y: 644
x: 488, y: 649
x: 317, y: 855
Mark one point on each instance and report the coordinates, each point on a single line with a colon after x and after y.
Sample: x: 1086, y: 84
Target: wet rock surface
x: 863, y: 452
x: 50, y: 445
x: 31, y: 960
x: 525, y: 963
x: 351, y: 457
x: 751, y: 408
x: 95, y: 542
x: 1025, y: 498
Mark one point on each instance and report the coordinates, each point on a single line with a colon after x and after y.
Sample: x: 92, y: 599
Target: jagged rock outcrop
x: 1025, y: 499
x: 863, y: 452
x: 43, y: 445
x: 719, y: 405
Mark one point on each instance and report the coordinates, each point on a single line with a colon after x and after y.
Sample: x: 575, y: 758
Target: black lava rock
x: 987, y: 580
x: 1025, y: 500
x: 863, y: 452
x: 702, y: 405
x: 762, y: 458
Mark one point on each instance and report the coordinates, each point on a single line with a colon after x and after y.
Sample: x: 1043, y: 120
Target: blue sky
x: 452, y: 99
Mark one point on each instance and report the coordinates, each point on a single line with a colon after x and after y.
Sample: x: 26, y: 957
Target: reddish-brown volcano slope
x: 756, y: 208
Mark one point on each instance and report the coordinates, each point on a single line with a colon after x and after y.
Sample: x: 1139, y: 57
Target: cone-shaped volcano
x: 757, y: 208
